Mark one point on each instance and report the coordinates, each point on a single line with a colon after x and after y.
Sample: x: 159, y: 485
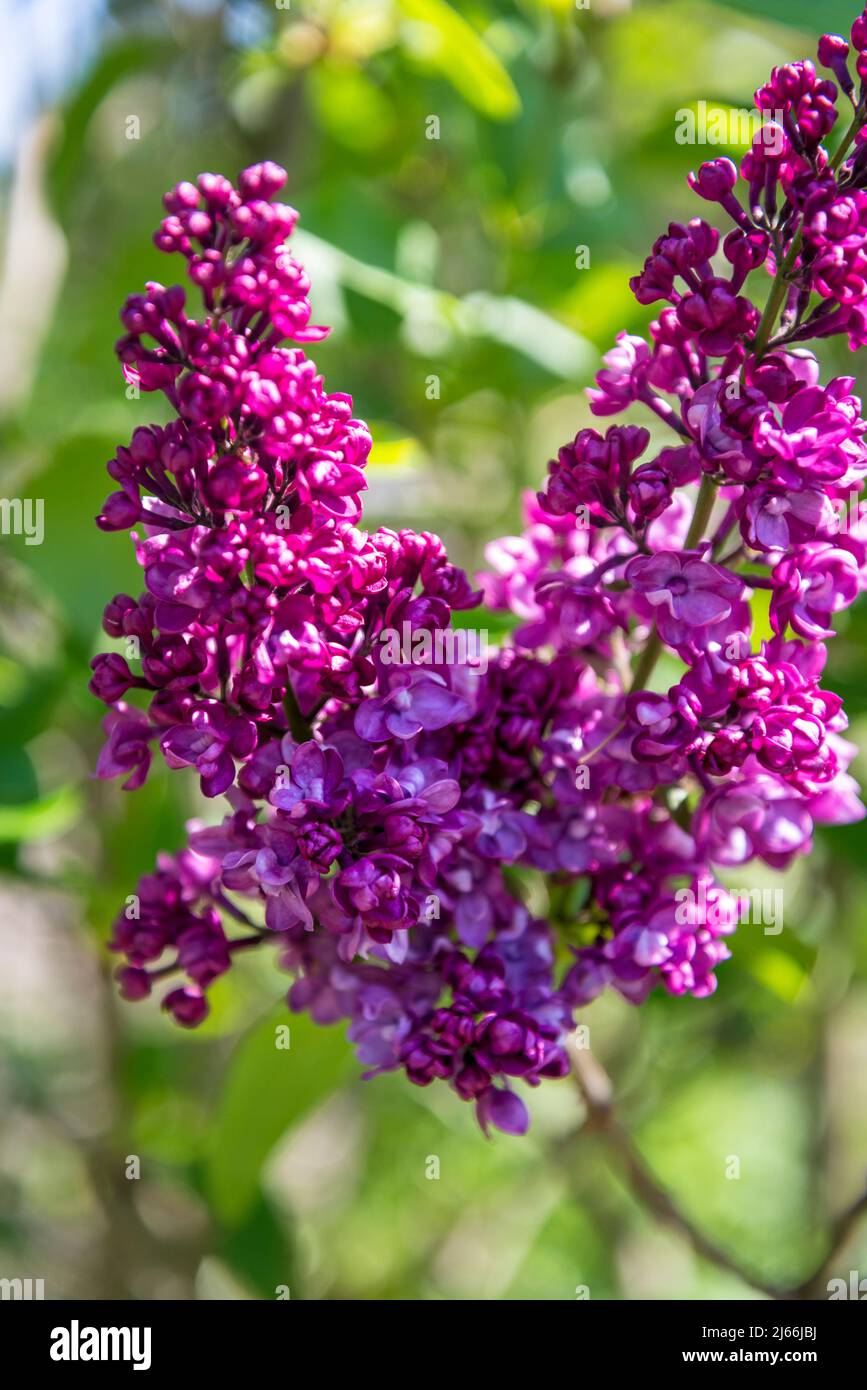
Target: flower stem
x: 701, y: 515
x: 299, y: 727
x: 647, y: 661
x: 784, y: 270
x: 776, y: 296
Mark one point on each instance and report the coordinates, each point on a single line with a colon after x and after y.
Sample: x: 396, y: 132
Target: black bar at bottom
x: 66, y: 1339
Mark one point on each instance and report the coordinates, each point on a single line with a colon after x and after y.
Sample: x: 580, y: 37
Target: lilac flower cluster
x: 388, y: 825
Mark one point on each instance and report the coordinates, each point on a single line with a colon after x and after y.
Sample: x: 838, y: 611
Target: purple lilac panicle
x: 381, y: 818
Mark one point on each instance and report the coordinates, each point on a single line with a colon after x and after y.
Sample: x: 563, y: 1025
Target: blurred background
x: 447, y: 162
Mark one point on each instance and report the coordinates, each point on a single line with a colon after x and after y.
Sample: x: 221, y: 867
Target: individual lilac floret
x: 210, y: 741
x: 413, y: 702
x: 684, y: 592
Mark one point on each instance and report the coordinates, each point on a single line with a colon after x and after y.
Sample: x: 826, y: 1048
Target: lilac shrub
x: 388, y: 822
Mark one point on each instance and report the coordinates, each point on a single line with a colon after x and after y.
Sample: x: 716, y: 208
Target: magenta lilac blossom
x: 385, y: 813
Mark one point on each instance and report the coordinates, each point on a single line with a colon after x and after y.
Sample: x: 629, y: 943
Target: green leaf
x: 464, y: 59
x: 80, y: 566
x: 118, y: 62
x: 497, y: 625
x: 267, y: 1090
x: 351, y: 108
x: 760, y: 606
x: 18, y: 781
x: 782, y: 975
x: 833, y: 16
x: 260, y: 1250
x: 36, y: 820
x: 600, y: 302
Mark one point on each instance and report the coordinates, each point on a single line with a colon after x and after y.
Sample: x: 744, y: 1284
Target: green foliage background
x: 266, y: 1169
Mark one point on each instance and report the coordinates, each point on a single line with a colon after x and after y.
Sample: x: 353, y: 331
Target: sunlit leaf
x: 760, y: 607
x: 36, y: 820
x: 497, y: 625
x: 450, y: 44
x: 779, y: 973
x: 601, y: 302
x: 394, y: 450
x: 351, y: 107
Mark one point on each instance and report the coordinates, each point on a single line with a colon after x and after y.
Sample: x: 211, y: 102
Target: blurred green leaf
x: 137, y: 827
x: 351, y: 107
x: 86, y: 567
x: 23, y: 719
x: 454, y: 47
x: 834, y: 16
x: 167, y: 1125
x: 760, y: 607
x: 138, y: 54
x: 498, y: 626
x: 35, y: 820
x: 601, y: 302
x: 260, y: 1251
x: 782, y: 975
x: 18, y: 782
x: 266, y: 1090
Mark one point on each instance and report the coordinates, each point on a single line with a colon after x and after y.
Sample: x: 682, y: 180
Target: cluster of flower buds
x: 383, y: 814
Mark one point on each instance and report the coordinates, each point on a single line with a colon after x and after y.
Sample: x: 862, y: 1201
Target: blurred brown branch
x: 597, y: 1092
